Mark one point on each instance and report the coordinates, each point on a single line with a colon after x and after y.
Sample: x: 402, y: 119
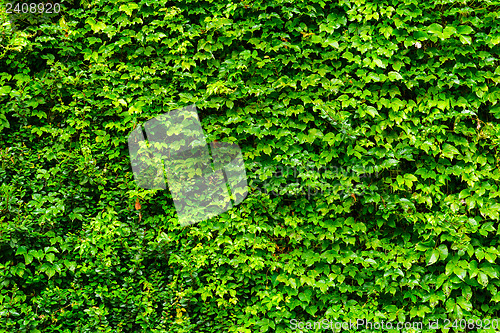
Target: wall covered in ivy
x: 369, y: 132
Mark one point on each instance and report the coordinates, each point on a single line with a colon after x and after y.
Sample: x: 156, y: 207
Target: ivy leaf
x: 441, y: 278
x: 496, y: 298
x: 482, y: 278
x: 449, y: 31
x: 424, y: 246
x: 460, y: 272
x: 21, y: 250
x: 464, y: 30
x: 443, y: 251
x: 435, y: 28
x: 314, y: 134
x: 479, y: 253
x: 432, y: 256
x: 449, y: 151
x: 50, y: 272
x: 96, y: 26
x: 464, y: 304
x: 5, y: 90
x: 50, y: 257
x: 372, y: 111
x: 379, y: 63
x: 393, y: 76
x: 490, y: 271
x: 465, y: 39
x: 28, y: 258
x: 467, y: 292
x: 128, y: 8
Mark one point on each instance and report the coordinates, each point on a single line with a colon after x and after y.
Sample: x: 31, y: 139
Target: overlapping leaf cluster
x: 402, y: 94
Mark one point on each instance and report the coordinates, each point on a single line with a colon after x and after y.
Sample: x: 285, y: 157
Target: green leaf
x: 460, y: 272
x: 128, y: 8
x: 443, y: 104
x: 482, y: 278
x: 465, y: 39
x: 479, y: 254
x: 21, y: 250
x: 71, y: 265
x: 95, y: 26
x: 379, y: 63
x: 467, y: 292
x: 443, y: 251
x: 420, y: 35
x: 432, y: 256
x: 50, y: 272
x: 50, y: 249
x: 449, y: 31
x: 306, y: 296
x: 28, y: 258
x: 372, y: 111
x: 490, y: 271
x: 464, y: 30
x: 393, y: 76
x: 314, y: 134
x: 50, y: 257
x: 5, y: 90
x: 20, y: 78
x: 441, y: 278
x: 449, y: 151
x: 496, y: 298
x: 37, y: 254
x: 464, y: 304
x: 397, y: 66
x: 435, y: 28
x: 424, y: 246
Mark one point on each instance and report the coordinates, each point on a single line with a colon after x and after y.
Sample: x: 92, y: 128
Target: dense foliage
x: 369, y: 131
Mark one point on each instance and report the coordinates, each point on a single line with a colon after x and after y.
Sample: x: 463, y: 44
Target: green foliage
x: 402, y: 95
